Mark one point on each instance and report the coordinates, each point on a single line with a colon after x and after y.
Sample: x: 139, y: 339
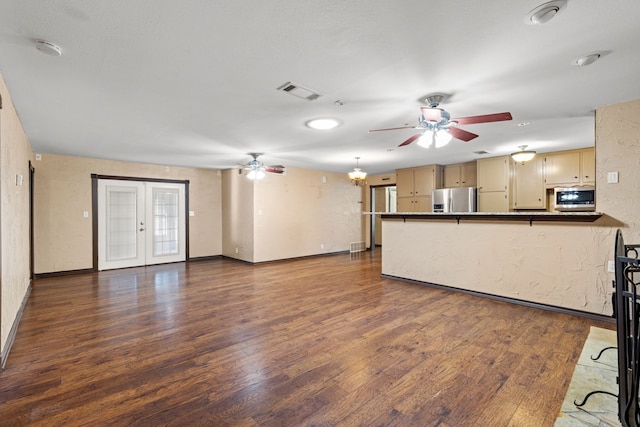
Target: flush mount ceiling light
x: 48, y: 48
x: 545, y: 12
x: 523, y: 155
x: 585, y: 60
x: 323, y: 124
x: 358, y: 175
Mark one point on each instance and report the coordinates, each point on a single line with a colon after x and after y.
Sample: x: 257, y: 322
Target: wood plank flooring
x: 321, y: 341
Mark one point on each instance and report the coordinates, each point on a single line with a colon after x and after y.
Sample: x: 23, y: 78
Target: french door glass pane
x: 121, y: 227
x: 165, y: 221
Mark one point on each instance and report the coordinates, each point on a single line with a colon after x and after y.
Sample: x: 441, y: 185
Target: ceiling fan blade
x: 274, y: 169
x: 462, y: 134
x: 431, y: 114
x: 497, y: 117
x: 401, y: 127
x: 410, y: 140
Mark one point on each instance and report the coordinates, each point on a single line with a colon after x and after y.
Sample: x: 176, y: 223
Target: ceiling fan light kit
x: 523, y: 155
x: 439, y: 138
x: 545, y: 12
x: 357, y: 176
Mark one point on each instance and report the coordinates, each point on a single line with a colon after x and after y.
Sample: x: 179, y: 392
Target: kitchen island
x: 548, y: 259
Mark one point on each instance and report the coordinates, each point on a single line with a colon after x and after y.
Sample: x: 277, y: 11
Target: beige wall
x: 63, y: 192
x: 15, y: 153
x: 301, y: 214
x: 291, y: 215
x: 560, y: 264
x: 237, y: 216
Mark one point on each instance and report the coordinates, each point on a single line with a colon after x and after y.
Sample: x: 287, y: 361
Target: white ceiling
x: 193, y: 82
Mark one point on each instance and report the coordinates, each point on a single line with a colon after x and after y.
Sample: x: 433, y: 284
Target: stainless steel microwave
x: 575, y: 199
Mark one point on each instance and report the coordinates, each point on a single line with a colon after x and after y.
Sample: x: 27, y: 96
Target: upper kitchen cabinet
x: 494, y: 184
x: 575, y: 167
x: 414, y: 186
x: 530, y: 191
x: 460, y: 175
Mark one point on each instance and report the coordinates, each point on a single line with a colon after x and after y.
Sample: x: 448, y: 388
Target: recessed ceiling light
x: 522, y: 124
x: 48, y: 48
x: 545, y: 12
x: 323, y: 124
x: 586, y: 59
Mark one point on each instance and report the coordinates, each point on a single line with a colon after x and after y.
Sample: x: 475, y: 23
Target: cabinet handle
x: 586, y: 176
x: 575, y: 177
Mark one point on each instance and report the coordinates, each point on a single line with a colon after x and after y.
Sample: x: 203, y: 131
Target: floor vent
x: 357, y: 247
x: 299, y: 91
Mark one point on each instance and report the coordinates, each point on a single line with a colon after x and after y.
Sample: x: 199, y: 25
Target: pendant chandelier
x: 358, y: 175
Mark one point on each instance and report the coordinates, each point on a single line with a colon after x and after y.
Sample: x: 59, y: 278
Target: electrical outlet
x: 237, y: 250
x: 611, y: 267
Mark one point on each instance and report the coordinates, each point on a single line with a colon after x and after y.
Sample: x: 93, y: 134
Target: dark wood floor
x: 321, y: 341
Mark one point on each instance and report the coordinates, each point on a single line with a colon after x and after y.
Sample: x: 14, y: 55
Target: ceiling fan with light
x: 256, y: 169
x: 437, y: 127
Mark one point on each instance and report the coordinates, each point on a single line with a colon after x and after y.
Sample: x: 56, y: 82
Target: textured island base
x: 590, y: 375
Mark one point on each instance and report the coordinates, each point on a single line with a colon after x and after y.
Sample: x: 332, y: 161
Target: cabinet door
x: 423, y: 180
x: 530, y: 189
x: 588, y: 166
x: 452, y: 176
x: 405, y: 204
x: 468, y: 175
x: 404, y: 183
x: 423, y: 204
x: 562, y: 168
x: 493, y: 175
x: 495, y: 201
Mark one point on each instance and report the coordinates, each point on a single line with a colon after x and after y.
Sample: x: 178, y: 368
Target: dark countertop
x: 494, y: 216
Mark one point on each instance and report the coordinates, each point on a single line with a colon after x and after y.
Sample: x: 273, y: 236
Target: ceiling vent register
x: 299, y: 91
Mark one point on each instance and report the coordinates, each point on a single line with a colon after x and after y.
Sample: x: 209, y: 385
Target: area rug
x: 601, y: 409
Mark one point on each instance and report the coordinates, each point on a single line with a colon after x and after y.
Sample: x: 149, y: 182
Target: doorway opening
x: 383, y: 200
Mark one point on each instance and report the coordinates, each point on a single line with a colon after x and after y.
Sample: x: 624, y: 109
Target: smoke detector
x: 545, y: 12
x: 48, y: 48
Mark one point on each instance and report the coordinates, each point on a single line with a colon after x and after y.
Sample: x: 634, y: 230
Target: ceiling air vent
x: 299, y: 91
x: 481, y: 152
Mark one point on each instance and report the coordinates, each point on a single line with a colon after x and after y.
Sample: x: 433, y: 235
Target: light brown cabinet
x: 588, y: 166
x: 530, y: 191
x: 460, y: 175
x: 414, y: 186
x: 494, y: 184
x: 576, y: 167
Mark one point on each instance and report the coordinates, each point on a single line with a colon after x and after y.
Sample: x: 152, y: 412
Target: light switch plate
x: 612, y: 177
x: 611, y: 267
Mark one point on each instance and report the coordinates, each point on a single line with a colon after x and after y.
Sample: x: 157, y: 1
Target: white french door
x: 140, y: 223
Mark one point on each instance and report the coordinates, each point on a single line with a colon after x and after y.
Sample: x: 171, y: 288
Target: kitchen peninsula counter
x: 545, y: 259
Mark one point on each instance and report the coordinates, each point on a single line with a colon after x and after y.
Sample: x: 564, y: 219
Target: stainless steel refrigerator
x: 462, y: 199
